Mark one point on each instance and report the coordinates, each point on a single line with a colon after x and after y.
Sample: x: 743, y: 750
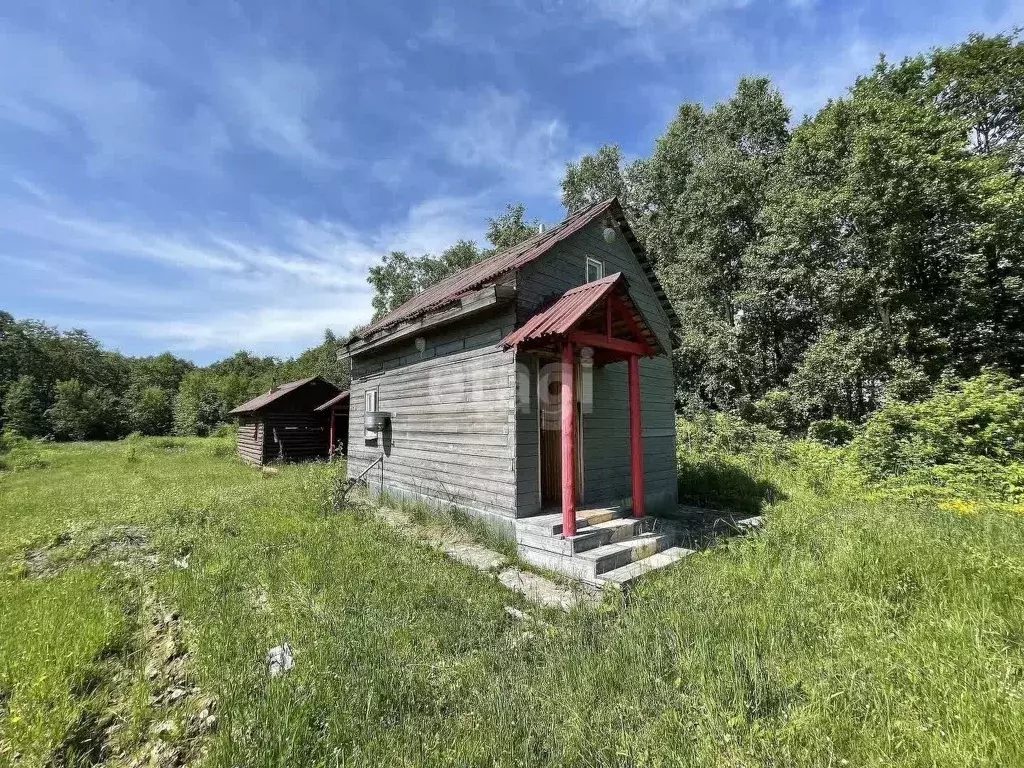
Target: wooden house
x: 534, y: 390
x: 284, y: 425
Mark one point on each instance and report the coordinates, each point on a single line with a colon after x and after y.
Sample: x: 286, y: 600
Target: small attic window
x: 595, y: 269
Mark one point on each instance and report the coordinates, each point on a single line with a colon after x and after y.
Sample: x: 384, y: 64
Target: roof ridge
x: 261, y: 400
x: 499, y: 263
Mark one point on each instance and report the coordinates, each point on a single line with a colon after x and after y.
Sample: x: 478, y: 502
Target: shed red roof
x: 472, y: 278
x: 567, y: 312
x: 333, y: 401
x: 261, y: 401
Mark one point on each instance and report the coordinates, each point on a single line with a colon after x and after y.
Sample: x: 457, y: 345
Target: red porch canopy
x: 602, y: 316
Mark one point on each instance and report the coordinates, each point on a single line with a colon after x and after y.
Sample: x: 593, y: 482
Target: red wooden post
x: 568, y: 442
x: 636, y: 440
x: 330, y: 451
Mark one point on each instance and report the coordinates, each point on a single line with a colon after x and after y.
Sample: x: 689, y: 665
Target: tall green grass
x: 851, y: 630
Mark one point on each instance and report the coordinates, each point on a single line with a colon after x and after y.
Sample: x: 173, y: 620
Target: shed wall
x: 606, y: 477
x: 292, y: 436
x: 250, y: 439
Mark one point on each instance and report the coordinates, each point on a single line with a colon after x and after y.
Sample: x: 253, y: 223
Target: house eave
x: 473, y: 303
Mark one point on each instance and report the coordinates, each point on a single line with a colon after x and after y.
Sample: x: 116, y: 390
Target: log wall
x: 250, y: 439
x: 295, y: 436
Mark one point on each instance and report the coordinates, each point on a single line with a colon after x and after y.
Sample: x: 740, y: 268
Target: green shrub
x: 132, y: 446
x: 714, y: 432
x: 833, y: 432
x: 18, y: 453
x: 774, y: 410
x: 225, y: 430
x: 966, y: 438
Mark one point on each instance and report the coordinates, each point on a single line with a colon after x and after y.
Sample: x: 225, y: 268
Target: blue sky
x: 204, y: 177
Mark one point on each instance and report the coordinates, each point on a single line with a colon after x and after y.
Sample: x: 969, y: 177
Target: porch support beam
x: 636, y: 440
x: 330, y: 450
x: 586, y: 339
x: 568, y: 442
x: 627, y: 317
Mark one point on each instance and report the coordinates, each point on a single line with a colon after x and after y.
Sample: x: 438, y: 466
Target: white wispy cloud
x: 274, y: 102
x: 648, y: 13
x: 502, y: 133
x: 109, y: 87
x: 269, y: 292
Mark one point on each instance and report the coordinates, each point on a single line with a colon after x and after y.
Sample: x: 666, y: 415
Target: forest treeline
x: 822, y: 269
x: 65, y: 385
x: 870, y: 252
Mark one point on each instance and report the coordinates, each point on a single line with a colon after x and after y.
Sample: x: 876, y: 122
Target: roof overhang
x: 469, y: 304
x: 340, y: 398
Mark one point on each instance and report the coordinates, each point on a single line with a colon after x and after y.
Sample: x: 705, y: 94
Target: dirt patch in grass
x: 178, y: 714
x: 122, y: 546
x: 145, y: 708
x: 139, y: 701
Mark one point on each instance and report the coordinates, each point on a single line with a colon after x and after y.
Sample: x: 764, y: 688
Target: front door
x: 550, y: 398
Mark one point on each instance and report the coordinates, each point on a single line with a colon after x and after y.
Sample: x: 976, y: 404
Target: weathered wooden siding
x: 294, y: 436
x: 451, y: 439
x: 527, y: 437
x: 606, y: 428
x: 250, y: 439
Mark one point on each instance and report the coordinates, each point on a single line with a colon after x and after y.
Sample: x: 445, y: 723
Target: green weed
x: 854, y: 628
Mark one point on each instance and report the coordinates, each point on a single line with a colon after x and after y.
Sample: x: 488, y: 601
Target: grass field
x: 144, y: 581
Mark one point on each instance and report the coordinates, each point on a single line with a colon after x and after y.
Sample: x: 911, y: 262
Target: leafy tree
x: 321, y: 361
x: 150, y: 411
x: 199, y: 409
x: 594, y: 178
x: 164, y: 371
x: 394, y: 282
x: 707, y: 181
x: 23, y: 408
x: 510, y: 228
x: 78, y: 413
x: 399, y: 277
x: 606, y: 174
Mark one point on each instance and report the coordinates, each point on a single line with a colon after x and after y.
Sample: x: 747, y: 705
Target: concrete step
x: 627, y: 574
x: 551, y: 524
x: 611, y: 556
x: 590, y: 537
x: 590, y: 564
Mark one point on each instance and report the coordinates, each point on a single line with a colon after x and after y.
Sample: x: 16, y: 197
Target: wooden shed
x: 284, y: 423
x: 534, y: 390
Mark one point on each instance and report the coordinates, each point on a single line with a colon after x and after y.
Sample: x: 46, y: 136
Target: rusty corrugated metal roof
x: 476, y: 276
x: 333, y: 401
x: 261, y: 401
x: 559, y: 318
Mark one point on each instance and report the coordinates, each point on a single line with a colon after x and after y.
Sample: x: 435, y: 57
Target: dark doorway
x: 550, y: 386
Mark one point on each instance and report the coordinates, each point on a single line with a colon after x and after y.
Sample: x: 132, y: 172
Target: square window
x: 595, y: 269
